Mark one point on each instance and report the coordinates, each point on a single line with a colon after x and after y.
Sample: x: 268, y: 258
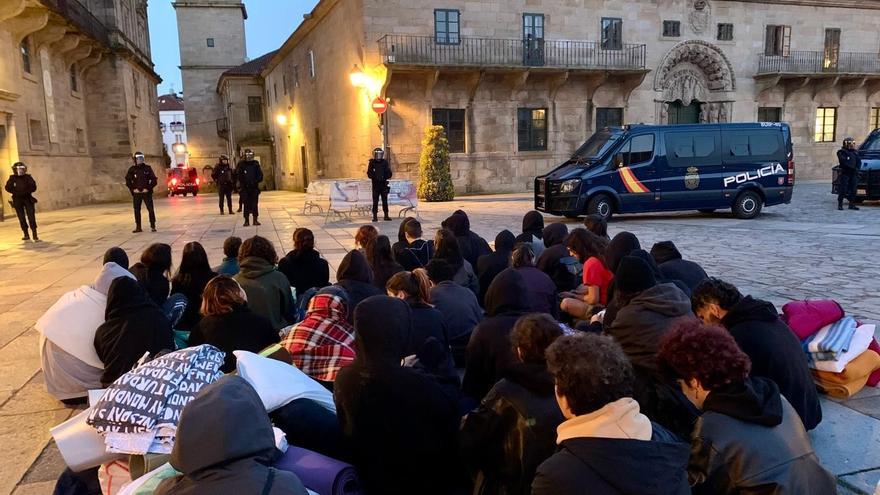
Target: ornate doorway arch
x: 695, y: 73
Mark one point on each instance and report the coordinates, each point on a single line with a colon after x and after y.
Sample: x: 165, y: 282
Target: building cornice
x: 841, y: 4
x: 8, y: 95
x: 211, y: 5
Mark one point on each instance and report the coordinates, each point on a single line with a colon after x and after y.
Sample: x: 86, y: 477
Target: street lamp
x: 281, y: 119
x: 357, y: 77
x: 178, y: 148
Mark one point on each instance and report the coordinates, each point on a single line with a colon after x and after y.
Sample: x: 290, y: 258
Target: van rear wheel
x: 601, y: 205
x: 747, y: 205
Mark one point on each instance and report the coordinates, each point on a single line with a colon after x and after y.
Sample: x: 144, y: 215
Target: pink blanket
x: 805, y: 318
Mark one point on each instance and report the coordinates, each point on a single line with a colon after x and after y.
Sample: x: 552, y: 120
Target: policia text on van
x: 642, y: 168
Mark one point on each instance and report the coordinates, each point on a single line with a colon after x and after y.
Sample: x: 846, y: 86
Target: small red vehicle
x: 183, y: 180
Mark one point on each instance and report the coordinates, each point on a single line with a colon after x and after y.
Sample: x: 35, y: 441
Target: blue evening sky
x: 269, y: 24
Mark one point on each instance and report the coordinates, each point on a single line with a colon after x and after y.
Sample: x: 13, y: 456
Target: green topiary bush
x: 435, y: 179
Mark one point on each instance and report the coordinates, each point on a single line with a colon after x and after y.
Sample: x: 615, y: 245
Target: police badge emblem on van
x: 692, y: 178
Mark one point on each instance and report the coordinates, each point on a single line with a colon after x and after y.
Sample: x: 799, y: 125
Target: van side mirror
x: 618, y: 160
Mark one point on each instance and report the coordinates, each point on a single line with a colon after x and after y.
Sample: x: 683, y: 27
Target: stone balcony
x: 818, y: 71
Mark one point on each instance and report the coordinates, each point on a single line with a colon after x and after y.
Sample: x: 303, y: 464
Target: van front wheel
x: 747, y: 205
x: 601, y: 205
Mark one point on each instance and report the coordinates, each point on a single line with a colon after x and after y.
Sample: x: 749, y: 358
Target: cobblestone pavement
x: 806, y: 249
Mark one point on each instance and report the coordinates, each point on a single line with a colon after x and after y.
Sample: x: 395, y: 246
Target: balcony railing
x: 425, y: 51
x: 805, y: 62
x: 81, y: 17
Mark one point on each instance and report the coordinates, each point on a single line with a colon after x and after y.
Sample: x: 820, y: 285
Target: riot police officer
x: 22, y: 186
x: 848, y: 173
x: 224, y: 178
x: 249, y: 175
x: 379, y: 171
x: 141, y: 180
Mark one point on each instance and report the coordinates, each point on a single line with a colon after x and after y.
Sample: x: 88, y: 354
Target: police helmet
x: 224, y: 158
x: 139, y: 158
x: 248, y: 154
x: 849, y: 143
x: 378, y: 153
x: 19, y: 168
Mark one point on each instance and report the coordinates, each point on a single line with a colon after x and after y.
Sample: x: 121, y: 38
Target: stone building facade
x: 77, y: 96
x: 519, y: 84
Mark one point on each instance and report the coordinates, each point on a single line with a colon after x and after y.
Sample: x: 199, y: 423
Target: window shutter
x: 786, y: 41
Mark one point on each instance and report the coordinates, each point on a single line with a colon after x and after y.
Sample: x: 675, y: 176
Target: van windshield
x: 595, y: 147
x: 872, y: 143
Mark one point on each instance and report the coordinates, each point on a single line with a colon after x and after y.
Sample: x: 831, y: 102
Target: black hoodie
x: 776, y: 354
x: 549, y: 260
x: 401, y: 425
x: 472, y: 246
x: 217, y: 458
x: 305, y: 269
x: 674, y: 268
x: 490, y: 265
x: 356, y: 277
x: 489, y: 352
x: 133, y: 326
x: 658, y: 274
x: 532, y: 232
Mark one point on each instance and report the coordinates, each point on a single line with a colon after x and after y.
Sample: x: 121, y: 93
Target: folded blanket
x: 862, y: 338
x: 279, y: 383
x: 852, y: 379
x: 874, y: 379
x: 832, y: 340
x: 805, y: 318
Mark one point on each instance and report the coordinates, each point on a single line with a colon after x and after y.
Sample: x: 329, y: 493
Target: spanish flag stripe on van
x: 631, y: 181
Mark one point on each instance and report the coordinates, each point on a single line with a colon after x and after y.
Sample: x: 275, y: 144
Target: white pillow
x: 279, y: 383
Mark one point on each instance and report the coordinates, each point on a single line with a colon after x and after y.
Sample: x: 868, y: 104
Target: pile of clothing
x: 843, y: 354
x: 139, y: 412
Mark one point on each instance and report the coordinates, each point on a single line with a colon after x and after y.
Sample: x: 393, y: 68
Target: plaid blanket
x: 831, y: 341
x: 323, y: 343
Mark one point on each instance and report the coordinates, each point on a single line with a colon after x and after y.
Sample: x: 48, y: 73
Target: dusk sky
x: 269, y: 24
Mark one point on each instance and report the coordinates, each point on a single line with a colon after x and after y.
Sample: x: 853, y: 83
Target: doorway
x: 679, y: 113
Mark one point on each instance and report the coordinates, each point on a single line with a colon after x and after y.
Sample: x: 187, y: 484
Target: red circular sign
x: 380, y: 105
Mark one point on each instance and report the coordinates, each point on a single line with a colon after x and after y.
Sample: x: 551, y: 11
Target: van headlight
x: 569, y: 186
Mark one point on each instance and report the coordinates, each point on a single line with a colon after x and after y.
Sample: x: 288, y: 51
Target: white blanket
x: 72, y: 321
x: 278, y: 383
x: 859, y: 344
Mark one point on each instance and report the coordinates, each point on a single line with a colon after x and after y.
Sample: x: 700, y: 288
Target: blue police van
x: 648, y: 168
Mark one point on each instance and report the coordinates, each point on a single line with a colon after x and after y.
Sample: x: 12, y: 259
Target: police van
x: 646, y: 168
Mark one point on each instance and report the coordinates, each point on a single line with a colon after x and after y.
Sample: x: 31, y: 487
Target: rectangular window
x: 531, y: 129
x: 136, y: 86
x: 25, y: 48
x: 255, y: 109
x: 752, y: 146
x: 452, y: 120
x: 312, y: 72
x: 533, y: 26
x: 777, y: 41
x: 284, y: 82
x: 210, y: 42
x: 875, y: 118
x: 769, y: 114
x: 826, y: 124
x: 725, y: 32
x: 295, y: 76
x: 612, y: 33
x: 638, y: 150
x: 74, y: 82
x: 80, y: 140
x: 275, y: 90
x: 672, y: 29
x: 832, y: 49
x: 447, y: 27
x: 609, y: 117
x: 687, y: 149
x: 35, y: 129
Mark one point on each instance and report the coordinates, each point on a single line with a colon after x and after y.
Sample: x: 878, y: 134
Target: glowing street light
x: 281, y: 119
x: 357, y: 77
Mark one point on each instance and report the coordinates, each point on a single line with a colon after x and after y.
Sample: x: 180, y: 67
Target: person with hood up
x: 323, y: 343
x: 447, y: 247
x: 192, y: 276
x: 214, y: 458
x: 606, y: 445
x: 532, y: 232
x: 133, y: 325
x: 658, y: 275
x: 771, y: 346
x: 514, y: 429
x: 598, y: 225
x: 490, y: 265
x: 489, y: 352
x: 355, y: 276
x: 749, y: 439
x: 621, y: 245
x: 472, y: 246
x: 459, y: 307
x: 673, y: 267
x: 267, y: 289
x: 555, y: 260
x: 304, y: 267
x: 542, y: 291
x: 401, y: 425
x: 157, y: 262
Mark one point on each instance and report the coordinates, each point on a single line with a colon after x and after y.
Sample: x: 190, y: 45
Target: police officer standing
x: 223, y: 176
x: 22, y: 186
x: 141, y: 180
x: 249, y: 175
x: 848, y: 173
x: 379, y: 171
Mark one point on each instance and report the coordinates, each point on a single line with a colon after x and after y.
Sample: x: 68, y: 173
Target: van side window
x: 752, y: 146
x: 639, y: 149
x: 686, y: 149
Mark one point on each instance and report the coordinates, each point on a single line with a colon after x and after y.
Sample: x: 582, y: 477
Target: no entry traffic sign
x: 380, y: 105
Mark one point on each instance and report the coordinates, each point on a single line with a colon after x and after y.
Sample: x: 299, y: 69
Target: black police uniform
x: 141, y: 177
x: 249, y: 175
x: 22, y: 187
x: 379, y: 171
x: 848, y: 178
x: 224, y: 177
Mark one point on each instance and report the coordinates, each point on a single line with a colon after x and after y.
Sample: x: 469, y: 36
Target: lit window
x: 311, y: 64
x: 875, y: 118
x: 826, y: 124
x: 531, y: 129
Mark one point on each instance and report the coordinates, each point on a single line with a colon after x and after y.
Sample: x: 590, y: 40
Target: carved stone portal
x: 705, y: 56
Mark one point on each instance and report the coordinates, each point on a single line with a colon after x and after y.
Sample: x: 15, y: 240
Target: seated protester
x: 589, y: 249
x: 532, y: 232
x: 363, y: 236
x: 229, y: 266
x: 228, y: 322
x: 596, y: 224
x: 418, y: 252
x: 192, y: 277
x: 492, y: 264
x: 427, y: 322
x: 304, y: 267
x: 674, y: 268
x: 606, y: 445
x: 658, y: 275
x: 554, y: 259
x: 356, y: 277
x: 541, y: 289
x: 116, y: 255
x: 514, y: 429
x: 749, y: 439
x: 458, y: 305
x: 267, y: 289
x: 70, y: 365
x: 400, y: 423
x: 446, y: 247
x: 489, y: 353
x: 401, y: 244
x: 323, y: 343
x: 472, y: 246
x: 156, y: 260
x: 381, y: 262
x: 621, y: 245
x: 214, y: 458
x: 771, y: 346
x: 133, y: 326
